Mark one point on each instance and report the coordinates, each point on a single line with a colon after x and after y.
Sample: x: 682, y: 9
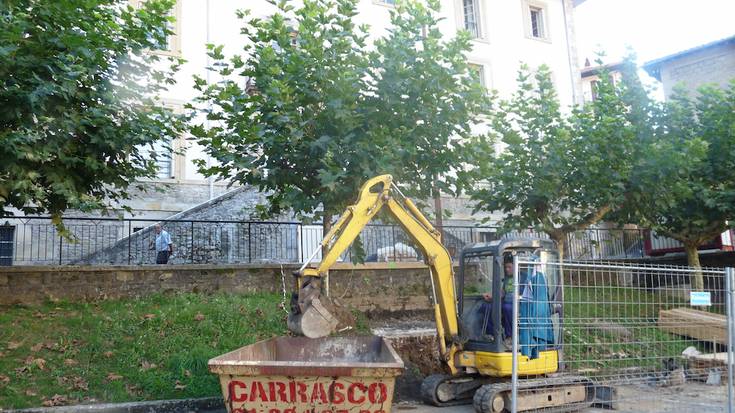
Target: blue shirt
x: 162, y: 241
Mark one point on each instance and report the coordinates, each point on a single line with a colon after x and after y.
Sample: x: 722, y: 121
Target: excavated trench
x: 414, y: 339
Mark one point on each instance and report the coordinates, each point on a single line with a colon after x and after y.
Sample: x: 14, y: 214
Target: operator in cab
x: 507, y: 303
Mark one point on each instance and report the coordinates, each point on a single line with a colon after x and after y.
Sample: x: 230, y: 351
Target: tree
x: 697, y: 137
x: 78, y: 112
x: 328, y: 111
x: 558, y: 173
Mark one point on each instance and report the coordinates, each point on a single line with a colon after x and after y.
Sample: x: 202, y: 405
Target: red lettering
x: 238, y: 410
x: 364, y: 411
x: 351, y: 393
x: 257, y: 391
x: 231, y: 390
x: 335, y: 394
x: 290, y: 410
x: 341, y: 411
x: 274, y: 411
x: 379, y: 388
x: 318, y: 393
x: 301, y: 391
x: 277, y: 391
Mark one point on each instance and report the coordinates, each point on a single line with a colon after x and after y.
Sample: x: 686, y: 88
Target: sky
x: 653, y: 28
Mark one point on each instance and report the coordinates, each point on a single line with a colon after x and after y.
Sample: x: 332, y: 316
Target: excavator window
x: 485, y: 323
x: 478, y: 274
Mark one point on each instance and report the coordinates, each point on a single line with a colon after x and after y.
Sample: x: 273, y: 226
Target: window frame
x: 529, y: 6
x: 479, y: 7
x: 593, y: 89
x: 537, y: 22
x: 177, y: 146
x: 480, y: 67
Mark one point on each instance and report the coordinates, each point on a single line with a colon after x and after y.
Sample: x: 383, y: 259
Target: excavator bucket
x: 313, y: 315
x: 315, y: 321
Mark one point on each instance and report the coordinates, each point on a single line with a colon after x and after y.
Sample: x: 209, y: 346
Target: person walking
x: 164, y: 246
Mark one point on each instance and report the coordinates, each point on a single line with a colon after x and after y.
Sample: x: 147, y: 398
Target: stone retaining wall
x: 379, y: 287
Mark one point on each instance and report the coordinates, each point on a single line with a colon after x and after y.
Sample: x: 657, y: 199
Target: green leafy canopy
x: 698, y: 204
x: 310, y: 109
x: 558, y: 172
x: 78, y: 82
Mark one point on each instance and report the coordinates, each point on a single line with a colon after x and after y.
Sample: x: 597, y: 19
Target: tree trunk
x: 559, y: 239
x: 692, y: 249
x: 326, y: 226
x: 560, y: 247
x: 438, y: 209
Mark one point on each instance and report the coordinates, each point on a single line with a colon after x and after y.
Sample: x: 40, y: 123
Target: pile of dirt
x: 422, y: 352
x: 420, y: 355
x: 414, y: 339
x: 343, y: 314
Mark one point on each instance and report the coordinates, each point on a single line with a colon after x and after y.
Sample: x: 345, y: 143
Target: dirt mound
x: 343, y: 314
x: 420, y: 351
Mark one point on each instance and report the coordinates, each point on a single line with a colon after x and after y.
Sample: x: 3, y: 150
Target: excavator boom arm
x: 374, y: 195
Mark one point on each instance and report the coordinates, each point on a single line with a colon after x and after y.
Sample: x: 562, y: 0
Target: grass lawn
x: 587, y: 345
x: 122, y: 350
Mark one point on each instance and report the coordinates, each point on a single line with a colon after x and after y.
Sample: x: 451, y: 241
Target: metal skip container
x: 302, y: 375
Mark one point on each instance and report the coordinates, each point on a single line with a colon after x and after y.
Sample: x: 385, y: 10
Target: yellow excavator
x: 479, y: 362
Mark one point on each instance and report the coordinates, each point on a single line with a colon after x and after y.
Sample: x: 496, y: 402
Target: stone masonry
x: 376, y: 287
x: 204, y: 242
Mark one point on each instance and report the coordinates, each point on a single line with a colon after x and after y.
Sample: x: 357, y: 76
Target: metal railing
x: 640, y: 335
x: 32, y: 240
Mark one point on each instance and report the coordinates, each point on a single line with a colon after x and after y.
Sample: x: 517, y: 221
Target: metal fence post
x: 514, y: 376
x: 301, y: 242
x: 191, y: 249
x: 61, y: 240
x: 130, y: 234
x: 729, y: 273
x: 250, y: 243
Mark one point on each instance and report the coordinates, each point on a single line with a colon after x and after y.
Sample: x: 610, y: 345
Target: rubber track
x: 487, y: 392
x: 428, y: 391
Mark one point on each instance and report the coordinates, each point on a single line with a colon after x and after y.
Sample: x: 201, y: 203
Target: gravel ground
x: 692, y: 397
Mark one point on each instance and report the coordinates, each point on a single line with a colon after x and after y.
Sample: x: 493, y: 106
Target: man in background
x: 164, y: 246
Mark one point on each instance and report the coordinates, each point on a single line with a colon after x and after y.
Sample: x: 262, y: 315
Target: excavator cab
x: 484, y: 269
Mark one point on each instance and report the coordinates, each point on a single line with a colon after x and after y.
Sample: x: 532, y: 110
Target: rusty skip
x: 301, y: 375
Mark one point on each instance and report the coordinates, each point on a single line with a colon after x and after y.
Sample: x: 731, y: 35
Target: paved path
x: 692, y: 397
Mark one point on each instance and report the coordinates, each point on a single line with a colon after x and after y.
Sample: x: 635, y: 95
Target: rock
x: 690, y: 352
x: 714, y: 378
x: 677, y: 378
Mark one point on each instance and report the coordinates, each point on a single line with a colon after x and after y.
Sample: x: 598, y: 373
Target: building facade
x: 591, y: 77
x: 709, y: 63
x: 505, y: 34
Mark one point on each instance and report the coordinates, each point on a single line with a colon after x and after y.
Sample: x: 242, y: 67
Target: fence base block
x: 606, y: 397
